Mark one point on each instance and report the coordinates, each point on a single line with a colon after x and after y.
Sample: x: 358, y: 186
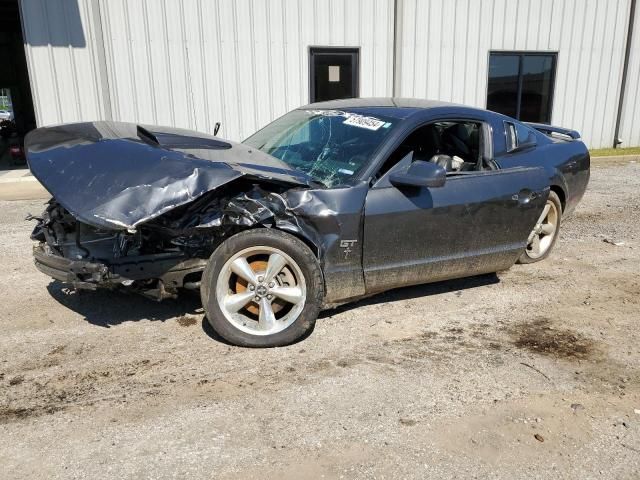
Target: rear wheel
x: 545, y: 232
x: 262, y: 288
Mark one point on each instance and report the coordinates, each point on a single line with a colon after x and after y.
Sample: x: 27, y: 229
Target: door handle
x: 525, y: 196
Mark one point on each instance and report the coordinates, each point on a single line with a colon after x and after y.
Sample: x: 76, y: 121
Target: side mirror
x: 419, y: 174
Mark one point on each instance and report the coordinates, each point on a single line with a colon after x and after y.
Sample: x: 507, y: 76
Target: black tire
x: 294, y: 248
x: 526, y: 258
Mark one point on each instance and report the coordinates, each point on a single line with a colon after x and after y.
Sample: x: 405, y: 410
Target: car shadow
x: 107, y: 308
x: 423, y: 290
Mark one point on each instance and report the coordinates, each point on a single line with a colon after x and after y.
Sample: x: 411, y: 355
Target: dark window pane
x: 537, y: 75
x: 502, y: 92
x: 334, y: 75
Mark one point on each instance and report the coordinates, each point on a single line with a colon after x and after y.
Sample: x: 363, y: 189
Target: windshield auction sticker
x: 370, y: 123
x: 353, y: 119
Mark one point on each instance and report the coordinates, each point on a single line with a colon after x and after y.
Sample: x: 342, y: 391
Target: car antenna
x: 146, y: 135
x: 216, y: 127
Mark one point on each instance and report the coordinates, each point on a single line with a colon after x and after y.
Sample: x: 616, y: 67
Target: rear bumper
x: 577, y: 185
x: 81, y: 274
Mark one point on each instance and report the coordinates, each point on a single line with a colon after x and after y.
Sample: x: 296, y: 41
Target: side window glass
x: 516, y: 135
x: 522, y: 133
x: 456, y: 145
x: 510, y: 132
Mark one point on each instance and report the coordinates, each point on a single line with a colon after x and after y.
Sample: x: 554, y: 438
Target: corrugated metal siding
x: 190, y: 63
x: 62, y: 60
x: 446, y: 44
x: 630, y: 120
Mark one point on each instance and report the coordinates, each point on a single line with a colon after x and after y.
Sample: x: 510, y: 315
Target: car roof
x: 381, y: 102
x: 398, y: 107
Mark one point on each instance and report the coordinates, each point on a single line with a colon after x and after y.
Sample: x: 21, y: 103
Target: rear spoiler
x: 549, y: 130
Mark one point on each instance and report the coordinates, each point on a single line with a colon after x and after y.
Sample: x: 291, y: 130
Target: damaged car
x: 328, y: 204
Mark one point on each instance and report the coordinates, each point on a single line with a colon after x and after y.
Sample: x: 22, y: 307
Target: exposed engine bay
x: 162, y: 255
x: 90, y: 257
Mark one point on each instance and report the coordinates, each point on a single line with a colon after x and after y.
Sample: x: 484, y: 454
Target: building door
x: 17, y: 117
x: 333, y: 73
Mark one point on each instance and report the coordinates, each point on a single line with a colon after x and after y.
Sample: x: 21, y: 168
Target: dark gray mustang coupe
x: 329, y: 203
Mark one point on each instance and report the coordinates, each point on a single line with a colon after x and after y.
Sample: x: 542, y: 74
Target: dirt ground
x: 531, y: 373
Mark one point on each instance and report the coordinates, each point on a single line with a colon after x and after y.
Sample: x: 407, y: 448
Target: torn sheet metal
x: 109, y: 175
x: 229, y: 212
x: 324, y: 218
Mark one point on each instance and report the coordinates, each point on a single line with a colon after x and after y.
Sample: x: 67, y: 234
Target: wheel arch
x: 315, y: 249
x: 558, y: 190
x: 302, y: 237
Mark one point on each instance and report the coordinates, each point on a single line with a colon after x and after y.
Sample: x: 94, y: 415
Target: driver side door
x: 477, y: 222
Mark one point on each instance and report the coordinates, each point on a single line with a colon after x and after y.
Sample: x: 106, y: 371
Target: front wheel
x: 545, y: 232
x: 262, y: 288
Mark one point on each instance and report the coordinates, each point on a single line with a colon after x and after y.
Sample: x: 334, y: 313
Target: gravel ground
x: 531, y: 373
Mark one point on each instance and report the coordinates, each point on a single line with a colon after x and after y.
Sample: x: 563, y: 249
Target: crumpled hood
x: 114, y: 175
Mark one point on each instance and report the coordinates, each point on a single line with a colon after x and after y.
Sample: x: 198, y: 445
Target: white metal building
x: 191, y: 63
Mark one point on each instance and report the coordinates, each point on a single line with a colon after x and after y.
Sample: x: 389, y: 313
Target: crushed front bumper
x: 170, y: 269
x: 79, y: 273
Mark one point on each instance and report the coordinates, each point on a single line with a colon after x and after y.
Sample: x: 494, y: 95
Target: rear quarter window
x: 516, y: 133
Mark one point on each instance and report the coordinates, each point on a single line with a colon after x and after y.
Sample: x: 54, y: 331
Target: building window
x: 333, y: 73
x: 521, y: 85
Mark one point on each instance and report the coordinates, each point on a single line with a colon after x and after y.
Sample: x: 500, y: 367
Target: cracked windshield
x: 331, y: 146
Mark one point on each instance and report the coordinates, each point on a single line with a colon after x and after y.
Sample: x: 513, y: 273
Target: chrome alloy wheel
x: 261, y: 290
x: 541, y: 237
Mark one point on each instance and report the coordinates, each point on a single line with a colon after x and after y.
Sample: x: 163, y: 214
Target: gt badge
x: 347, y: 245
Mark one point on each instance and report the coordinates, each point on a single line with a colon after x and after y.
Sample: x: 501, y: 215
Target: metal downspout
x: 625, y: 68
x: 397, y: 46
